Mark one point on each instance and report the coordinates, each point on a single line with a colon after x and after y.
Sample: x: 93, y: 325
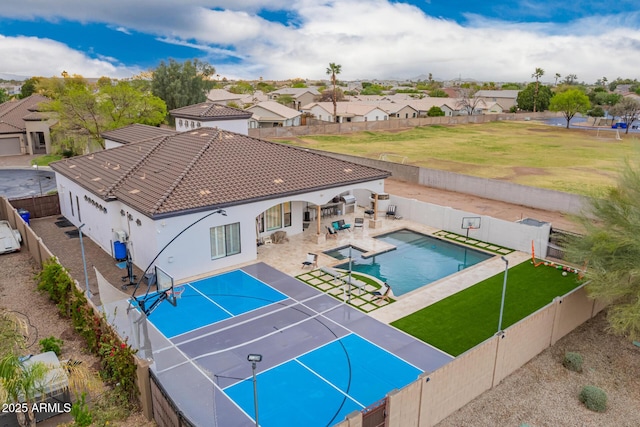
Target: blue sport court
x: 321, y: 359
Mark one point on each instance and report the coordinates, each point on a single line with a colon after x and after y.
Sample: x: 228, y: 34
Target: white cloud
x: 369, y: 38
x: 31, y: 56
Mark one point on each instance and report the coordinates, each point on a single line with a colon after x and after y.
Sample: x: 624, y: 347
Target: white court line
x: 242, y: 322
x: 215, y: 303
x: 329, y: 382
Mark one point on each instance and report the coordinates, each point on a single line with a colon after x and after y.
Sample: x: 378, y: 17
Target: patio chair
x: 311, y: 261
x: 358, y: 223
x: 382, y: 293
x: 391, y: 212
x: 331, y: 232
x: 340, y: 225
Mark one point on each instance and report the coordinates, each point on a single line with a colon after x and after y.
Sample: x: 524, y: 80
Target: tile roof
x: 135, y: 132
x: 196, y: 171
x: 13, y: 113
x: 275, y: 107
x: 210, y: 111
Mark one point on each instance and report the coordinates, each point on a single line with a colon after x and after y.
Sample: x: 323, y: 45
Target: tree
x: 595, y: 112
x: 242, y: 87
x: 330, y: 95
x: 333, y: 70
x: 570, y: 103
x: 286, y: 100
x: 557, y: 76
x: 438, y: 93
x: 22, y: 383
x: 526, y: 98
x: 611, y: 250
x: 570, y: 79
x: 29, y: 87
x: 468, y: 101
x: 4, y: 96
x: 179, y: 85
x: 435, y: 111
x: 85, y: 114
x: 628, y: 110
x: 537, y: 74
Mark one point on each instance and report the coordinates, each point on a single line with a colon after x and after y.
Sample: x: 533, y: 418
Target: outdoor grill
x: 349, y: 203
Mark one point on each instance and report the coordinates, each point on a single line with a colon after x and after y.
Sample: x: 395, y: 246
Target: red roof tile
x: 210, y: 111
x: 171, y: 174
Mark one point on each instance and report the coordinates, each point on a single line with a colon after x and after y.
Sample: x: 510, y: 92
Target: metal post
x: 349, y: 274
x: 39, y: 180
x: 84, y: 262
x: 254, y: 358
x: 255, y: 392
x: 504, y: 291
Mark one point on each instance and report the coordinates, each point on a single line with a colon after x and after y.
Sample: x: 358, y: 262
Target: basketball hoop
x: 176, y: 293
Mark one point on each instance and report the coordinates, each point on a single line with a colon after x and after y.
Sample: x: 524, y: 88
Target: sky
x: 499, y: 41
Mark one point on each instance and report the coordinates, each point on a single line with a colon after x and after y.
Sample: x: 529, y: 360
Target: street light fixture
x: 255, y: 358
x: 504, y: 290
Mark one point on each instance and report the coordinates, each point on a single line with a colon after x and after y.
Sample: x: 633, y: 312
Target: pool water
x: 417, y: 260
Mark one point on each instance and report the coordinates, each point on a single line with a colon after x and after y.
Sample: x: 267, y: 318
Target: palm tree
x: 22, y: 383
x: 537, y: 74
x: 557, y: 77
x: 333, y: 70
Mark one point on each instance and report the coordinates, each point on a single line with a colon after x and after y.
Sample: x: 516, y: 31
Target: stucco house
x: 158, y: 188
x: 422, y: 106
x: 301, y: 96
x: 273, y: 114
x: 505, y: 98
x: 395, y: 109
x: 345, y: 112
x: 210, y: 114
x: 24, y: 127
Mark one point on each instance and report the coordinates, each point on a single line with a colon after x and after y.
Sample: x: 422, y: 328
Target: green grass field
x: 464, y: 320
x: 528, y: 153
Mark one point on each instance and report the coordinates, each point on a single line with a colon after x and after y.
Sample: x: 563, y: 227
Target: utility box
x: 121, y: 236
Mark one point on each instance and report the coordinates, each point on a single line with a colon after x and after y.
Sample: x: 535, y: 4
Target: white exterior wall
x: 320, y: 113
x: 190, y: 254
x: 372, y: 116
x: 237, y: 126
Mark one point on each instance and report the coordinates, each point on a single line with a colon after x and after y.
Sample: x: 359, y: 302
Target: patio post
x: 318, y: 220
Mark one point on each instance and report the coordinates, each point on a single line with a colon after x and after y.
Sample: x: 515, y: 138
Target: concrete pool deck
x: 288, y: 257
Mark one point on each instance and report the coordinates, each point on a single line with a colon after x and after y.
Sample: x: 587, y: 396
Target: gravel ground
x: 18, y: 294
x: 544, y: 393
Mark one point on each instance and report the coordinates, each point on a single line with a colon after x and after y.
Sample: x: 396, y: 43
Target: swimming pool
x: 417, y: 260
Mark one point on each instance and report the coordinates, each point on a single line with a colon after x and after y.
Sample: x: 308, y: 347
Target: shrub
x: 572, y: 361
x: 594, y: 398
x: 51, y: 344
x: 81, y: 413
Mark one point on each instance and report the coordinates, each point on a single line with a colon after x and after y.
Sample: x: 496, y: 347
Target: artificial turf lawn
x: 467, y: 318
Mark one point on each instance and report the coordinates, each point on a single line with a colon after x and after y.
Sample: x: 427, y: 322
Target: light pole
x: 504, y: 291
x: 255, y: 358
x: 84, y: 261
x: 39, y: 180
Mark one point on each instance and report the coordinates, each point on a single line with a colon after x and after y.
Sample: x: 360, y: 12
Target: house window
x: 225, y: 240
x: 71, y: 203
x: 274, y: 217
x: 286, y: 207
x: 78, y: 205
x: 192, y: 124
x: 180, y: 122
